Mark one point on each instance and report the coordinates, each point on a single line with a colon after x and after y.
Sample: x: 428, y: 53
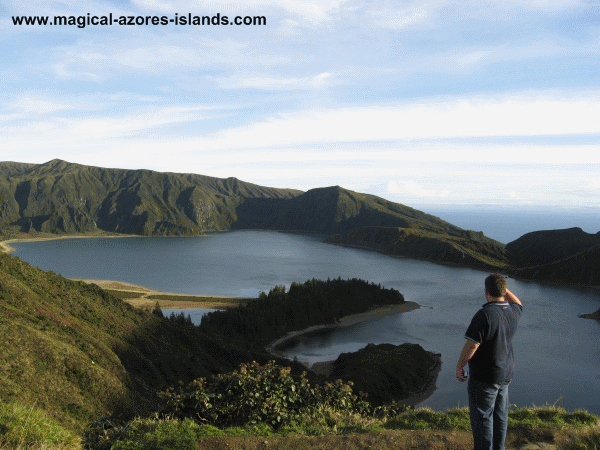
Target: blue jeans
x: 488, y: 408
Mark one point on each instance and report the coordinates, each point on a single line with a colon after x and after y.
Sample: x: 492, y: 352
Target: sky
x: 434, y: 102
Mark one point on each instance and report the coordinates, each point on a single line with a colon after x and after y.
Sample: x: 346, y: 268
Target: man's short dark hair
x: 495, y: 285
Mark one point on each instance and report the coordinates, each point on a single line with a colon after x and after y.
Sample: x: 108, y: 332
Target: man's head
x: 495, y: 285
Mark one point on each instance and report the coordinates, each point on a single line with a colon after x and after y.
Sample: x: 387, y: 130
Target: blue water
x: 557, y: 353
x: 195, y: 314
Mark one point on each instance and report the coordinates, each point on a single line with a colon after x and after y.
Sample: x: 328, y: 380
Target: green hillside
x: 543, y: 247
x: 335, y: 210
x: 60, y: 197
x: 455, y: 246
x: 73, y: 352
x: 559, y: 256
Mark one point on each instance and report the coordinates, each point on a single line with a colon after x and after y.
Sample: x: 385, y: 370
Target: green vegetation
x: 233, y: 301
x: 387, y: 371
x: 258, y: 394
x: 64, y: 198
x: 28, y: 427
x: 465, y: 248
x: 314, y: 302
x: 266, y: 400
x: 123, y: 295
x: 73, y: 353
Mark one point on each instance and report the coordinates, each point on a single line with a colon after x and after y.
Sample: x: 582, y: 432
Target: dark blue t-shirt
x: 493, y: 328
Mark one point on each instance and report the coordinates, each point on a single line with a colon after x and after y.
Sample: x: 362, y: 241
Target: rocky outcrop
x: 388, y: 372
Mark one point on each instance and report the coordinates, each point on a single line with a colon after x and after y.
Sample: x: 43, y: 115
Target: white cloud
x: 413, y: 189
x: 397, y: 18
x: 314, y: 10
x: 543, y: 4
x: 524, y: 114
x: 63, y: 73
x: 58, y: 131
x: 35, y: 105
x: 593, y: 184
x: 201, y: 53
x: 469, y: 60
x: 313, y: 82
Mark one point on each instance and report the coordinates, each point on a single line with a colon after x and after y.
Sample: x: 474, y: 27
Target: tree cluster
x: 314, y: 302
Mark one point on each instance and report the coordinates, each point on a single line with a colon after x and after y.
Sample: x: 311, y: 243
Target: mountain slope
x: 60, y: 197
x: 75, y: 352
x: 543, y: 247
x: 465, y: 248
x: 334, y: 209
x: 557, y: 256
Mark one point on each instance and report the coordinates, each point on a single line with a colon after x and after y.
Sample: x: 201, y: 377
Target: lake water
x: 557, y: 354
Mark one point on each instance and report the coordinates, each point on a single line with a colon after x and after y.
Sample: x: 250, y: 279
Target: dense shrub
x: 257, y: 394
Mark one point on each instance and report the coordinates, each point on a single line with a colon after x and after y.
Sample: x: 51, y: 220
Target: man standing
x: 489, y: 352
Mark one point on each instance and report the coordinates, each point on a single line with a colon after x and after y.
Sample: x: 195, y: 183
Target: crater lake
x: 557, y: 353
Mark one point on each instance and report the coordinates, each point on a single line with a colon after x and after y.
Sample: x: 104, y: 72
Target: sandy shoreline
x: 324, y: 367
x: 144, y: 297
x: 6, y: 248
x: 147, y: 298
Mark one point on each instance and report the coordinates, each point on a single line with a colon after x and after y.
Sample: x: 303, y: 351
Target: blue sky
x: 420, y: 102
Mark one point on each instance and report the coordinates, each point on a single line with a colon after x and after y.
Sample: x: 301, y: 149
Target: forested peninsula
x: 73, y: 352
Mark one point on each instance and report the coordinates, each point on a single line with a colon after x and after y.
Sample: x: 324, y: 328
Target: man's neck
x: 491, y: 299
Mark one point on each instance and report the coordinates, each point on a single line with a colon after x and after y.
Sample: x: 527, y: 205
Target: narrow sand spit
x: 6, y: 248
x: 324, y: 367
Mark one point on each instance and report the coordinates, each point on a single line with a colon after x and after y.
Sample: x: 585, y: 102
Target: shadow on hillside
x: 165, y: 353
x: 308, y: 214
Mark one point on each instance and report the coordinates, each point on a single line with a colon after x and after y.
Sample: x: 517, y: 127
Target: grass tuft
x: 24, y: 426
x: 585, y: 438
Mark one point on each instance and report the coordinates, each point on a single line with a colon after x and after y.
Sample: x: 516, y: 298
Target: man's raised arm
x: 512, y: 298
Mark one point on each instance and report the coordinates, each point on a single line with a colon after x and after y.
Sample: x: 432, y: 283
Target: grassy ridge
x: 58, y: 338
x: 71, y: 351
x: 266, y: 401
x: 460, y: 247
x: 60, y: 197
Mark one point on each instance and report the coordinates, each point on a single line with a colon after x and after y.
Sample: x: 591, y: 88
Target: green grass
x: 577, y: 430
x: 587, y: 438
x: 427, y: 419
x: 123, y: 295
x: 197, y: 298
x: 24, y: 426
x: 549, y: 417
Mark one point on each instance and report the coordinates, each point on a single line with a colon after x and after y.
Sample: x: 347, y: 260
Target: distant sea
x: 505, y: 224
